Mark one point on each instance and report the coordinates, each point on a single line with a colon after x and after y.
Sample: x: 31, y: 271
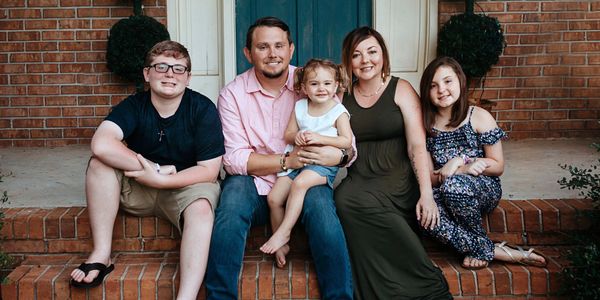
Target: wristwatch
x: 344, y: 158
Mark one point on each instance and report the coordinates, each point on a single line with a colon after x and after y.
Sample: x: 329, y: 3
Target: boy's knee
x: 95, y: 165
x: 200, y: 208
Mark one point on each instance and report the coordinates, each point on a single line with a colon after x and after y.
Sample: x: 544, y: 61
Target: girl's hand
x: 300, y: 139
x: 476, y: 167
x: 428, y: 213
x: 312, y: 138
x: 449, y: 168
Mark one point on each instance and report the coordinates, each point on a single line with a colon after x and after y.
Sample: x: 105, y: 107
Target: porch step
x: 48, y: 243
x: 155, y: 276
x: 67, y: 229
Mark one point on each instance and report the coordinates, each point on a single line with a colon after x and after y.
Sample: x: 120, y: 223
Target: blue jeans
x: 241, y: 207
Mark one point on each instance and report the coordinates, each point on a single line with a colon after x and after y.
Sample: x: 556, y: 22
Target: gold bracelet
x: 282, y: 160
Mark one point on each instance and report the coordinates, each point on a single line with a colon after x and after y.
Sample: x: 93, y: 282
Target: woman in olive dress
x: 387, y: 192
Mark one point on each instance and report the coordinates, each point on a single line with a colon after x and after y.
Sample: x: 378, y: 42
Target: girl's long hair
x: 460, y: 108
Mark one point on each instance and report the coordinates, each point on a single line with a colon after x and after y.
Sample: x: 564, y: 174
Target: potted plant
x: 476, y: 41
x: 129, y: 40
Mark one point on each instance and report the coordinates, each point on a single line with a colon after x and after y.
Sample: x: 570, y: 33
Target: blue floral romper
x: 462, y: 199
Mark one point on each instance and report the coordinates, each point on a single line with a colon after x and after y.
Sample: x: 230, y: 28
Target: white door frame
x: 222, y: 13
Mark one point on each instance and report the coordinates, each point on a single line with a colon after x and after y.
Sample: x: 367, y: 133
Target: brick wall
x: 55, y: 87
x: 547, y: 83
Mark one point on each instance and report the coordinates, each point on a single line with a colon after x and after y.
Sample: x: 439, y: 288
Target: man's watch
x: 344, y: 158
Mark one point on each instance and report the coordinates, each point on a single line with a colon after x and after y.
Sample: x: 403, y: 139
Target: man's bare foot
x: 474, y: 263
x: 507, y: 253
x: 79, y: 276
x: 277, y: 240
x: 280, y: 255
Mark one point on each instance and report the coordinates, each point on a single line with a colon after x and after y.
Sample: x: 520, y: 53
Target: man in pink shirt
x: 255, y: 108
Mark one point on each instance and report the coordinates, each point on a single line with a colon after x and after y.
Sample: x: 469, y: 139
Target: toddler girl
x: 319, y: 120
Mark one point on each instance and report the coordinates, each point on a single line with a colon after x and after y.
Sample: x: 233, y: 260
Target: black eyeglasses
x: 164, y: 68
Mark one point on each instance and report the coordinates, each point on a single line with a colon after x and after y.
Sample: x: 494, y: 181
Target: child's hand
x: 449, y: 168
x: 476, y: 167
x: 312, y: 138
x: 300, y: 139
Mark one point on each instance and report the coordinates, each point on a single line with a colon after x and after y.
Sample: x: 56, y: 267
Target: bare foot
x: 277, y: 240
x: 510, y: 254
x: 79, y: 275
x: 280, y: 255
x: 474, y: 263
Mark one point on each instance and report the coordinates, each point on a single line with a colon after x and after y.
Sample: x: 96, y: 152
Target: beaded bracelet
x: 282, y: 161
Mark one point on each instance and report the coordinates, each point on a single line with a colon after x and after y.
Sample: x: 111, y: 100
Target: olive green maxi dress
x: 376, y: 205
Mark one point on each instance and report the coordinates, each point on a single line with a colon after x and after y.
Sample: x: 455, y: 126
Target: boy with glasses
x: 157, y: 153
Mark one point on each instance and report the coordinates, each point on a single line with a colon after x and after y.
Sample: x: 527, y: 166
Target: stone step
x: 67, y: 230
x: 155, y: 276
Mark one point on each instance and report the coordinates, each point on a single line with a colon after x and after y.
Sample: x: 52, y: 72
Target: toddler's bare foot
x: 280, y: 255
x: 277, y: 240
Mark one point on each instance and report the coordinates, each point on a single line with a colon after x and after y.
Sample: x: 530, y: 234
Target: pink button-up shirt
x: 254, y: 121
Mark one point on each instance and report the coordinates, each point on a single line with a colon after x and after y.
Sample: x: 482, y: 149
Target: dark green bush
x: 582, y: 277
x: 128, y: 42
x: 475, y: 41
x: 5, y: 260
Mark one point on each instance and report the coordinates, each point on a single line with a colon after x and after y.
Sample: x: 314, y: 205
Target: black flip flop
x: 86, y: 268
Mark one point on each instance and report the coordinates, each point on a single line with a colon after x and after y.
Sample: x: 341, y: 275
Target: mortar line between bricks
x: 121, y: 279
x: 173, y: 286
x: 60, y: 222
x: 521, y: 213
x: 290, y: 271
x: 529, y: 288
x: 256, y: 286
x: 27, y: 225
x: 460, y: 291
x: 504, y: 218
x: 156, y: 278
x: 53, y: 285
x: 475, y: 279
x: 76, y: 219
x: 273, y: 283
x: 547, y: 280
x: 306, y: 272
x: 493, y: 281
x: 557, y: 213
x: 540, y: 216
x: 510, y: 279
x: 139, y: 280
x: 36, y: 279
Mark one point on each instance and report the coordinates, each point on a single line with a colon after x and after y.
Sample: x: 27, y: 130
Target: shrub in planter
x: 128, y: 41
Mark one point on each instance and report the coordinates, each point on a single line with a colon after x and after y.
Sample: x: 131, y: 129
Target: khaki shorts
x: 140, y: 200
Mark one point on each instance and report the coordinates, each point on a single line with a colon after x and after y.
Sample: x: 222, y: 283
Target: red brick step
x: 49, y: 243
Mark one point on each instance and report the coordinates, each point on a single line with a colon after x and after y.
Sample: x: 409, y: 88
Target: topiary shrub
x: 128, y: 41
x: 475, y: 41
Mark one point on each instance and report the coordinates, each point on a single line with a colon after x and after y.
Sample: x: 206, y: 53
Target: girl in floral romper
x: 464, y: 144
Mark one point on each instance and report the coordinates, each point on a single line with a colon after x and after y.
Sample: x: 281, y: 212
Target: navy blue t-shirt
x: 192, y: 134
